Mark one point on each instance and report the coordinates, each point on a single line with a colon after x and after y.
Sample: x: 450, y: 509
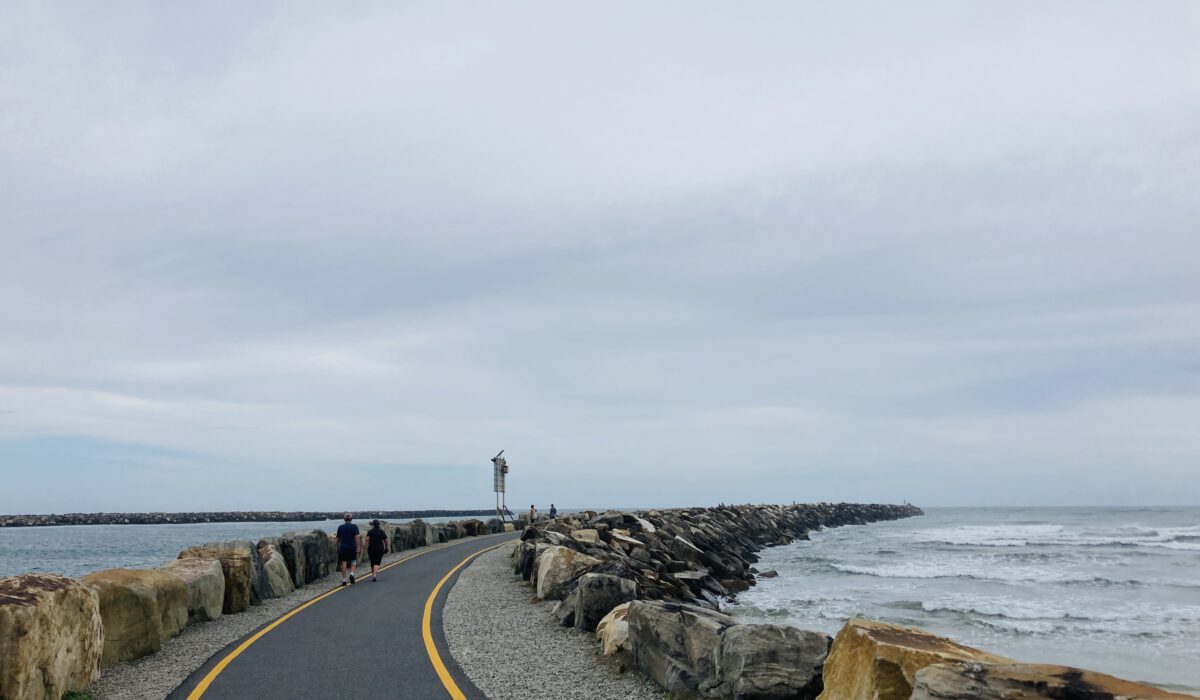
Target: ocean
x: 1115, y: 590
x: 75, y: 550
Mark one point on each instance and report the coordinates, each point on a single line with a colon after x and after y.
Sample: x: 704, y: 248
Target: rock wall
x: 651, y: 584
x: 255, y: 516
x: 57, y: 633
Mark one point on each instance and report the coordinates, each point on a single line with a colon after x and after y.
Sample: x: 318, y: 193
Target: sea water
x: 75, y: 550
x: 1115, y: 590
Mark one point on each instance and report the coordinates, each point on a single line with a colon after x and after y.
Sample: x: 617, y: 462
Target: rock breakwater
x: 56, y: 633
x: 650, y: 584
x: 248, y: 516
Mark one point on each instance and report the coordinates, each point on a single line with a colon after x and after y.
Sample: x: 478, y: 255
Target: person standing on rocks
x: 376, y: 546
x: 349, y: 539
x: 532, y: 514
x: 553, y: 512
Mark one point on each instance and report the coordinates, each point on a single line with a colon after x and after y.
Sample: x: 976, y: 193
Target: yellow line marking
x: 211, y: 676
x: 427, y: 633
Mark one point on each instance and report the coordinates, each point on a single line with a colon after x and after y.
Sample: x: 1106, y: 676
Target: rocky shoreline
x: 267, y: 516
x: 649, y: 586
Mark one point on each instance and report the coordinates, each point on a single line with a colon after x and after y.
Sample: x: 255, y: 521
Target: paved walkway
x: 373, y: 639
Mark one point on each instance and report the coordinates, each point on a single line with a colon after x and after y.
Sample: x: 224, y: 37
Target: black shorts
x: 347, y: 555
x: 375, y: 556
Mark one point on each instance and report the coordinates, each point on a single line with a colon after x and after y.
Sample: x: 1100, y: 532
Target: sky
x: 284, y: 256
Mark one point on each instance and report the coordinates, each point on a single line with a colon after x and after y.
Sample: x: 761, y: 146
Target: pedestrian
x: 553, y: 512
x: 349, y: 540
x: 376, y: 546
x: 532, y: 514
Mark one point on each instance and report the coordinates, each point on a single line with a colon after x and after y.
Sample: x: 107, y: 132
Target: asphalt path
x: 365, y: 640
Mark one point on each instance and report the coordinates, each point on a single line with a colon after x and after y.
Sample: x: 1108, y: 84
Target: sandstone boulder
x: 676, y: 644
x: 236, y: 568
x: 1027, y: 682
x: 597, y: 594
x: 205, y: 586
x: 771, y: 662
x: 613, y: 630
x: 586, y: 536
x: 556, y: 566
x: 51, y: 636
x: 275, y: 570
x: 876, y: 660
x: 140, y: 609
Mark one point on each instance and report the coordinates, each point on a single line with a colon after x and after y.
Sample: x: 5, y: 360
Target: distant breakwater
x: 224, y: 517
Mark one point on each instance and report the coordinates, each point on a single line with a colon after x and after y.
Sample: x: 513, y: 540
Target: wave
x: 1041, y: 535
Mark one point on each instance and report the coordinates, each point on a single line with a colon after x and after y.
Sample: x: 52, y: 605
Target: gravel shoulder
x: 155, y: 676
x: 510, y: 647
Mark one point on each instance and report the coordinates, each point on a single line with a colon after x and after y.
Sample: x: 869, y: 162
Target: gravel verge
x: 156, y: 676
x: 512, y: 649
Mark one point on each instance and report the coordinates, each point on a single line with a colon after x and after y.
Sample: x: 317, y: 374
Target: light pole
x: 499, y: 470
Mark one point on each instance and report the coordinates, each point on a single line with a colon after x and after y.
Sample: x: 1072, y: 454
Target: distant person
x: 348, y: 539
x: 376, y: 546
x: 553, y: 512
x: 532, y: 514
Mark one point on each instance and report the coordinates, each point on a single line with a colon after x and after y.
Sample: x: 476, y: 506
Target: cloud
x: 662, y: 255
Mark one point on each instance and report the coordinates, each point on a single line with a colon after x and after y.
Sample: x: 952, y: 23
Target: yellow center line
x: 211, y: 676
x: 427, y: 632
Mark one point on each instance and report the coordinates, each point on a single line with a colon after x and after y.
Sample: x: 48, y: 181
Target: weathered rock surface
x: 771, y: 662
x: 279, y: 579
x: 235, y: 567
x: 597, y: 594
x: 876, y: 660
x: 205, y: 586
x: 307, y: 554
x: 613, y: 630
x: 140, y: 609
x: 556, y: 566
x: 51, y: 637
x: 1027, y: 682
x: 677, y: 644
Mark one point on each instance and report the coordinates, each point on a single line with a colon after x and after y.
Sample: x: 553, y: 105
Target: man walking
x: 349, y: 541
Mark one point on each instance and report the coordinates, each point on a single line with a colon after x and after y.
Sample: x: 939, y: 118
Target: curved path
x: 372, y: 639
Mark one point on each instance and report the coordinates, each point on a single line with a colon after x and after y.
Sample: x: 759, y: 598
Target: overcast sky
x: 290, y: 256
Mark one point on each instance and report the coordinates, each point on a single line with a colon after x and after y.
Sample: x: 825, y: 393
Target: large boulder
x: 276, y: 571
x: 308, y: 555
x: 677, y: 644
x: 613, y: 630
x: 771, y: 662
x: 51, y: 636
x: 205, y: 586
x: 140, y: 609
x: 586, y: 536
x: 597, y: 594
x: 1027, y: 682
x: 876, y: 660
x: 236, y: 567
x: 556, y: 566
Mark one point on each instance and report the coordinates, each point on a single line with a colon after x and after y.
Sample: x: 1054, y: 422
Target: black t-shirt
x: 347, y: 534
x: 375, y: 538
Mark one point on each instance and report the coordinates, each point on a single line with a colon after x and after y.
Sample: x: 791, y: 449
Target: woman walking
x: 376, y: 546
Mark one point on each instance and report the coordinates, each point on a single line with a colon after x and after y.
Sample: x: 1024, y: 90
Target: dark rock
x: 597, y: 594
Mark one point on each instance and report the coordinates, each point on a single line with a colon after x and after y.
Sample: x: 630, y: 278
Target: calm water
x: 1115, y: 590
x: 75, y: 550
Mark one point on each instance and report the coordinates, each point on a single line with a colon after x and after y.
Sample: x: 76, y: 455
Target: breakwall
x: 58, y: 633
x: 242, y: 516
x: 650, y: 585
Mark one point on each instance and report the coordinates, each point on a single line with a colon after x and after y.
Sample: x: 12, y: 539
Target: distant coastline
x: 251, y: 516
